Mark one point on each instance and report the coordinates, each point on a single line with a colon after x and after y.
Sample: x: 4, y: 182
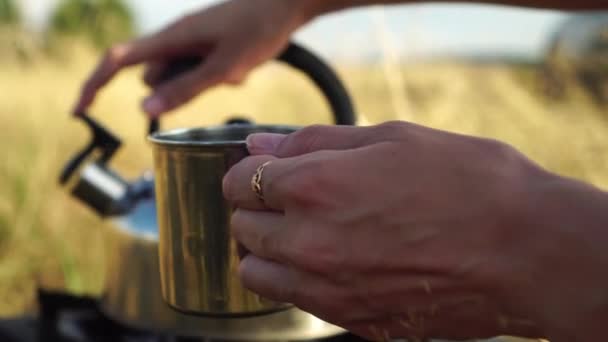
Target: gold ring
x: 256, y: 181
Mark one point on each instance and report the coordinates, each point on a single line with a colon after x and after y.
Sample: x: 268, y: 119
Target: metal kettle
x: 132, y: 293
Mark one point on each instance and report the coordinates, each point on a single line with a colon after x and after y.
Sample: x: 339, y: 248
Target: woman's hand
x: 234, y: 37
x: 403, y: 231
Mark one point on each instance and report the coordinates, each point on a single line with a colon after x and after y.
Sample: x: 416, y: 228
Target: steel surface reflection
x: 198, y: 258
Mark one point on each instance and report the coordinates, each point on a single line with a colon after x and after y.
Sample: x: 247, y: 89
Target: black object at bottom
x: 65, y: 318
x: 229, y: 315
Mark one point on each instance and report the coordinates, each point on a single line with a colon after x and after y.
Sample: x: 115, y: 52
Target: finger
x: 268, y: 278
x: 259, y: 232
x: 318, y: 137
x: 153, y: 73
x: 221, y: 66
x: 308, y: 291
x: 237, y: 183
x: 114, y: 60
x: 109, y: 65
x: 173, y: 41
x: 264, y: 143
x: 305, y: 140
x: 278, y: 179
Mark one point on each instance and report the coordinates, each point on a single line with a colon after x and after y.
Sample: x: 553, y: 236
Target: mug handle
x: 299, y: 58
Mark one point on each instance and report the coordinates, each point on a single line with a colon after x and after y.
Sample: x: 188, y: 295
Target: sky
x: 409, y: 30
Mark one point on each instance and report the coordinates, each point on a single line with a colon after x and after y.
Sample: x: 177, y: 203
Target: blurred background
x: 535, y: 79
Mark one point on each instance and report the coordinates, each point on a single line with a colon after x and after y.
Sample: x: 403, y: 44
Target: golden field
x: 47, y: 239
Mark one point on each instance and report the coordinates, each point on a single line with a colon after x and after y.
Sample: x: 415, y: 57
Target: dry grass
x: 45, y: 237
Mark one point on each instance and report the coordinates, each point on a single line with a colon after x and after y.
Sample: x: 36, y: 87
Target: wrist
x: 560, y: 278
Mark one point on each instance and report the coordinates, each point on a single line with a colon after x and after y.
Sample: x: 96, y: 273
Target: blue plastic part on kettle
x: 141, y: 218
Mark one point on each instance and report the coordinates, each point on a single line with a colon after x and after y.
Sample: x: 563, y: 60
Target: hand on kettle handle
x: 322, y: 75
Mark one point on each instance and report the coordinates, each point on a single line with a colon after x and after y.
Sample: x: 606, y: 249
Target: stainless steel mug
x: 198, y: 257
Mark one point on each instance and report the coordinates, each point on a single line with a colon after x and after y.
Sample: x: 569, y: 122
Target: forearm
x: 319, y: 7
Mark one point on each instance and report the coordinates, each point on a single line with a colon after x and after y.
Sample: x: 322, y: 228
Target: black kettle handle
x: 322, y: 75
x: 101, y: 138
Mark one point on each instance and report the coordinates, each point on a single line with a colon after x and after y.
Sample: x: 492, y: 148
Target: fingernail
x: 76, y: 112
x: 154, y: 106
x: 78, y: 108
x: 264, y: 143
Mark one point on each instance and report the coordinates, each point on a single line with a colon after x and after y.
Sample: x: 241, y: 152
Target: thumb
x: 311, y: 139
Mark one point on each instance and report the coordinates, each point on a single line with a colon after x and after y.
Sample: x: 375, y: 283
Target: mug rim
x: 169, y: 137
